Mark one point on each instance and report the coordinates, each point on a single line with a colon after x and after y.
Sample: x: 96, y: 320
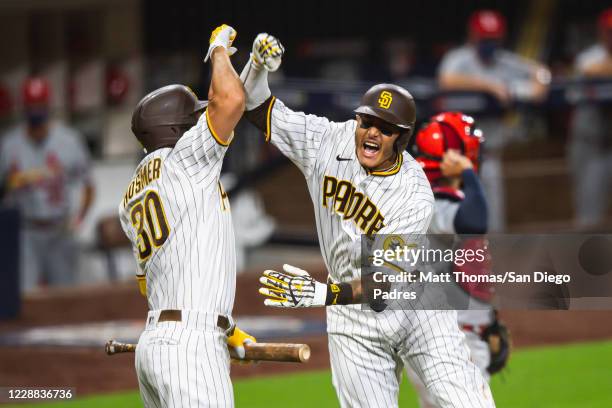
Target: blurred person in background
x: 448, y: 148
x: 6, y: 108
x: 482, y: 65
x: 41, y: 161
x: 590, y: 146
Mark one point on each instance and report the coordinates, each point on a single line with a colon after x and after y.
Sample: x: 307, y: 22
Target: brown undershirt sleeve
x: 261, y: 116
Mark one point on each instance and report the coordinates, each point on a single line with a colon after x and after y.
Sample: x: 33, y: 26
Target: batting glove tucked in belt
x: 238, y: 339
x: 292, y: 288
x: 222, y: 36
x: 267, y: 52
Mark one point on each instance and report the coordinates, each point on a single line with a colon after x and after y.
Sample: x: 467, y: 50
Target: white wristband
x: 255, y: 80
x: 320, y: 295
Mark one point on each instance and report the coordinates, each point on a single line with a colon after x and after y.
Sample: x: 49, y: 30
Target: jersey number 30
x: 149, y: 211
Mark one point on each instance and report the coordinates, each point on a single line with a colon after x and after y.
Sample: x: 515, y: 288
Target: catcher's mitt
x: 497, y: 337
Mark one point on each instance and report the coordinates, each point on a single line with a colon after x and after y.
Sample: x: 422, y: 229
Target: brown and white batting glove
x: 222, y: 36
x: 267, y: 52
x: 294, y: 287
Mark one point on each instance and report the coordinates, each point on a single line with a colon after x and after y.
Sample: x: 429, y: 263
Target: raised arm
x: 296, y: 134
x: 472, y: 213
x: 266, y: 56
x: 226, y: 96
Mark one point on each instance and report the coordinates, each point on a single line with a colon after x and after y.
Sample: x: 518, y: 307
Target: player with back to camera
x: 362, y: 183
x: 448, y: 148
x: 177, y: 216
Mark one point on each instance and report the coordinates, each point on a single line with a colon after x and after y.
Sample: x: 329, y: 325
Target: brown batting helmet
x: 161, y: 117
x: 394, y: 105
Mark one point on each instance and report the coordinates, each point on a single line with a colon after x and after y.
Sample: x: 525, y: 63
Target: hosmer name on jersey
x: 148, y: 172
x: 352, y: 204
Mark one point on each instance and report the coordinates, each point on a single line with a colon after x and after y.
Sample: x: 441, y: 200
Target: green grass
x: 578, y: 375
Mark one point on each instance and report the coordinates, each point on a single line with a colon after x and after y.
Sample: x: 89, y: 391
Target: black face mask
x: 37, y: 117
x: 486, y: 49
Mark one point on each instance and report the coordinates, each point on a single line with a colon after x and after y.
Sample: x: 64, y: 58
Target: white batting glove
x: 222, y: 36
x: 267, y: 52
x: 292, y: 288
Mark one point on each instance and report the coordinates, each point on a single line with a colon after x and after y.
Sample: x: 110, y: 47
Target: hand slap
x: 222, y: 36
x: 267, y: 52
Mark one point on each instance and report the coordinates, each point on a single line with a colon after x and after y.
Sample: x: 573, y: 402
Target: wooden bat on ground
x: 286, y: 352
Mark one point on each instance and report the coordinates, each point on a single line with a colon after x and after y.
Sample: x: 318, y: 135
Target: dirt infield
x: 91, y: 371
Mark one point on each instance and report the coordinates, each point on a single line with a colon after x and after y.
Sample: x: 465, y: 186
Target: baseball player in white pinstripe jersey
x: 362, y: 183
x: 177, y: 216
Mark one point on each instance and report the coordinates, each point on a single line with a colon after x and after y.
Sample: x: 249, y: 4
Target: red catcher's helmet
x: 487, y: 24
x: 447, y: 130
x: 36, y: 91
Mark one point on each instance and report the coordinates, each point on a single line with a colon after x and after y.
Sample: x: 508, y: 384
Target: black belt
x: 173, y: 315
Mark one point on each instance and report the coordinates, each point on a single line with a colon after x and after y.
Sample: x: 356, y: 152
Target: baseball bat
x: 284, y: 352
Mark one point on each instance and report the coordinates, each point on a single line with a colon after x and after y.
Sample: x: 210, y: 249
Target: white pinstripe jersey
x: 348, y: 199
x: 177, y: 216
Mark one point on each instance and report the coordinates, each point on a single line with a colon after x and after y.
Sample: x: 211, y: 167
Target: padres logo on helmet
x: 394, y: 105
x: 385, y: 99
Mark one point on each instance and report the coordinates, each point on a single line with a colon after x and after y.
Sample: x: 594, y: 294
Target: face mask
x: 37, y: 117
x: 486, y: 49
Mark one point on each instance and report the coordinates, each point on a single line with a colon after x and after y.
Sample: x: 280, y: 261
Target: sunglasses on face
x: 386, y: 130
